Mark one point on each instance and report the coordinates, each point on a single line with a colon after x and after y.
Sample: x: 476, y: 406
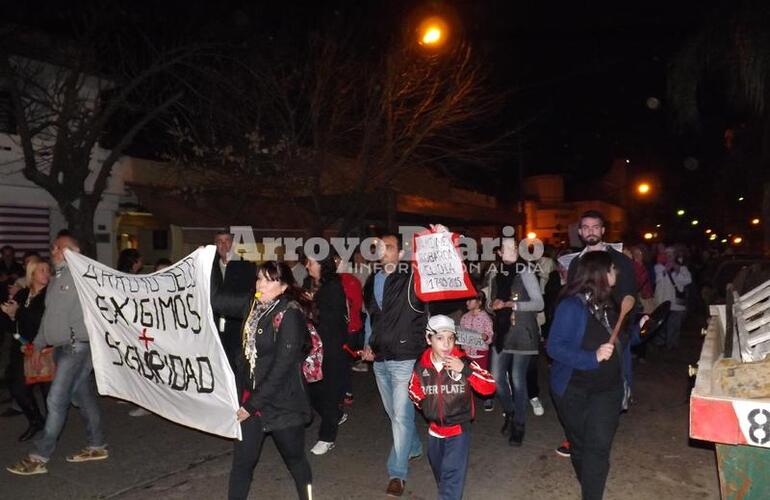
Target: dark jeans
x: 291, y: 445
x: 326, y: 396
x: 533, y: 386
x: 590, y: 420
x: 510, y: 372
x: 449, y: 461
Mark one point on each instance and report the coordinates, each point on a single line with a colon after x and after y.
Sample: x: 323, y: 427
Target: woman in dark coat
x: 275, y: 340
x: 587, y: 370
x: 25, y: 312
x: 330, y: 317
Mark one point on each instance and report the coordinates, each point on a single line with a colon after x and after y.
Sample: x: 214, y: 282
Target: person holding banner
x: 515, y: 300
x: 273, y: 396
x: 63, y: 328
x: 25, y: 311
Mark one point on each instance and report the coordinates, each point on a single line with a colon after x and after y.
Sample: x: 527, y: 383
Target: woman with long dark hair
x: 275, y: 340
x: 587, y: 370
x: 25, y: 310
x: 330, y: 317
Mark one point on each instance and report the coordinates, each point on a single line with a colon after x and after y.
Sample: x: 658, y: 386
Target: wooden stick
x: 624, y: 310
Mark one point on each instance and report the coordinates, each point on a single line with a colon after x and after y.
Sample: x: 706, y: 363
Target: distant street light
x: 648, y: 236
x: 432, y: 32
x: 724, y: 240
x: 694, y: 222
x: 755, y: 221
x: 708, y: 231
x: 737, y: 240
x: 713, y: 237
x: 741, y: 198
x: 680, y: 212
x: 643, y: 188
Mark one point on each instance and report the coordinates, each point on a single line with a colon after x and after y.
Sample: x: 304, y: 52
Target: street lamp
x: 680, y: 212
x: 695, y: 222
x: 643, y: 188
x: 754, y: 222
x: 432, y: 32
x: 737, y: 240
x: 648, y: 236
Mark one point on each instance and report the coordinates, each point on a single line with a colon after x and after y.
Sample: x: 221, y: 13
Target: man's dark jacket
x: 398, y: 328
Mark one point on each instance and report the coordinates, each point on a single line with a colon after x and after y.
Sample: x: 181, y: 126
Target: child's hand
x: 454, y: 363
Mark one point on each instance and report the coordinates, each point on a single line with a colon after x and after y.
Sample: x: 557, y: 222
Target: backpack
x: 312, y: 364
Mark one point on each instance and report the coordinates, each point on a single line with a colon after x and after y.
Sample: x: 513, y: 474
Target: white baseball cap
x: 441, y: 323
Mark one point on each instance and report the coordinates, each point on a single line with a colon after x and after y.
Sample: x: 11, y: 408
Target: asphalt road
x: 152, y: 458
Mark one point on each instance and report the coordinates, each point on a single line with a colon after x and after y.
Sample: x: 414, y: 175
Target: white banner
x: 154, y: 342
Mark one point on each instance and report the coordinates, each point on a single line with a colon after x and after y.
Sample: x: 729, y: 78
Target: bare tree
x: 62, y: 112
x: 330, y: 106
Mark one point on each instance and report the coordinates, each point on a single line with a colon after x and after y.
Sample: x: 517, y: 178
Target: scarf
x: 251, y: 330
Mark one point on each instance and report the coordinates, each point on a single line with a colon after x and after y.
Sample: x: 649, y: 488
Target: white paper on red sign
x: 439, y: 270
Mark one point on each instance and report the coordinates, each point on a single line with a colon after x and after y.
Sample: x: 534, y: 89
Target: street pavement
x: 154, y: 458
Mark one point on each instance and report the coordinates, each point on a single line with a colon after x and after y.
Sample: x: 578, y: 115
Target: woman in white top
x: 671, y: 279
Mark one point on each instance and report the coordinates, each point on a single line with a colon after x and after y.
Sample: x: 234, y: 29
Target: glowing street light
x: 713, y: 237
x: 741, y: 198
x: 432, y: 32
x: 724, y: 240
x: 737, y: 240
x: 680, y: 212
x: 708, y: 231
x: 648, y: 236
x: 643, y: 188
x: 694, y: 222
x: 754, y: 222
x: 531, y: 235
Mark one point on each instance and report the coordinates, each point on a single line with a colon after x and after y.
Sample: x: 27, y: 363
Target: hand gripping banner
x: 154, y: 342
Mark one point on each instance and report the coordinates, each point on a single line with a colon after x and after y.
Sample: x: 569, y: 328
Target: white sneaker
x: 343, y: 419
x: 537, y: 407
x: 321, y: 448
x: 138, y: 412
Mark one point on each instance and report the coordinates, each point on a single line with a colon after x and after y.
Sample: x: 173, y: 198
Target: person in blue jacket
x: 587, y: 371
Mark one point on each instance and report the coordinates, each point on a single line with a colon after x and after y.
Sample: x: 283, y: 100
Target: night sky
x: 581, y: 73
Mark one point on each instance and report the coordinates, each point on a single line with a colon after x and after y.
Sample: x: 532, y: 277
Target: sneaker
x: 89, y: 454
x: 343, y: 419
x: 138, y: 412
x: 489, y: 405
x: 322, y: 448
x: 563, y: 450
x: 537, y: 407
x: 27, y: 467
x: 360, y: 366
